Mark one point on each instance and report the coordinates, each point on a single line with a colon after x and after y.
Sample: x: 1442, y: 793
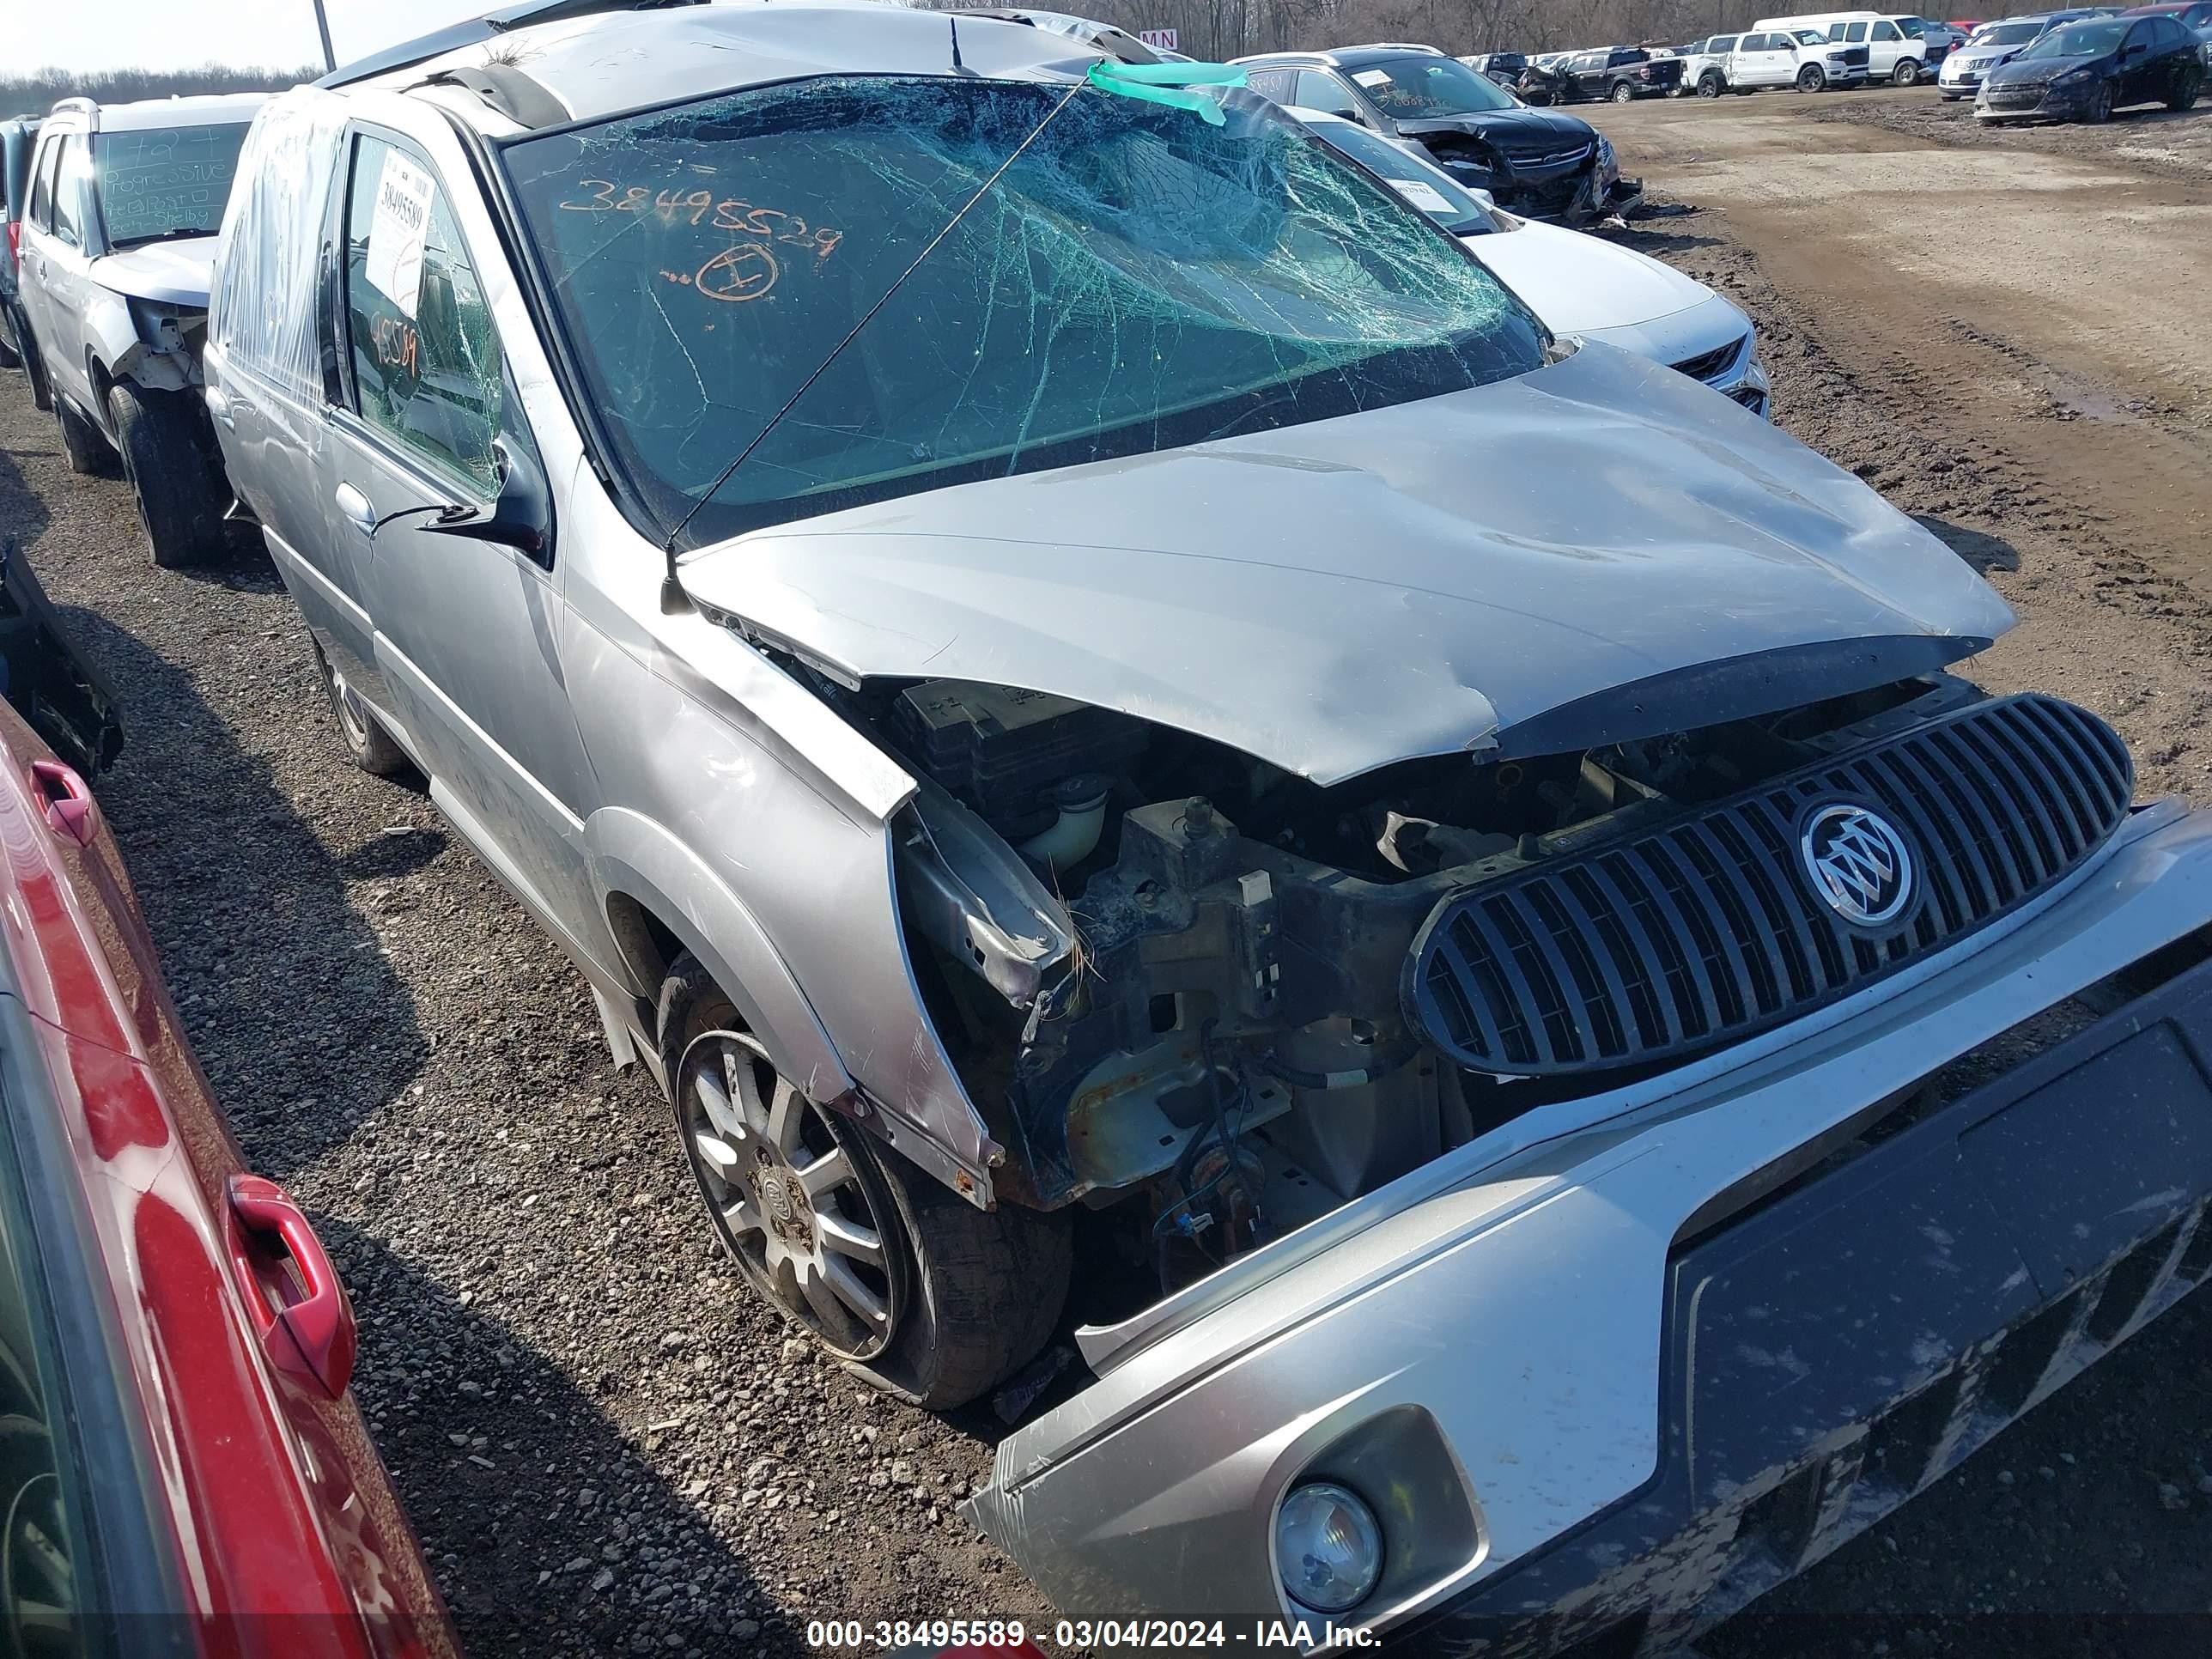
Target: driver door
x: 464, y: 632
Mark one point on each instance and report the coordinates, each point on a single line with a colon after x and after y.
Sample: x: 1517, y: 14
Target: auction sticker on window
x: 397, y: 233
x: 1426, y: 197
x: 1372, y: 77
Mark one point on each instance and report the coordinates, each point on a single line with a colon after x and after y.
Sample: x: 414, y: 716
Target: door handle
x: 312, y: 1340
x: 70, y: 810
x: 356, y: 508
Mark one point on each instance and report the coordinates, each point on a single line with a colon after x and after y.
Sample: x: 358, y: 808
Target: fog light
x: 1327, y: 1547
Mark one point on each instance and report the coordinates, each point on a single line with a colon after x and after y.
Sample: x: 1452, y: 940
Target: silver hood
x: 1336, y: 595
x: 177, y: 273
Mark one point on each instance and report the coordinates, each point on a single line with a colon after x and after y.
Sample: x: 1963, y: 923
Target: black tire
x: 979, y: 1292
x: 35, y: 367
x: 2185, y: 97
x: 1907, y: 74
x: 1709, y: 85
x: 10, y: 356
x: 2101, y: 106
x: 83, y: 443
x: 1812, y: 78
x: 371, y: 747
x: 174, y: 471
x: 1623, y: 93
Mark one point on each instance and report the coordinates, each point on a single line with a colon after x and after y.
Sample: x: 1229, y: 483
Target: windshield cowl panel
x: 801, y: 298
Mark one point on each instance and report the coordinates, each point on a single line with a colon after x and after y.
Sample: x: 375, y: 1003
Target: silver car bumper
x: 1492, y: 1350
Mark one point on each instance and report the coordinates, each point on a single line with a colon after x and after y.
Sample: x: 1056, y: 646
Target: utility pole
x: 323, y: 27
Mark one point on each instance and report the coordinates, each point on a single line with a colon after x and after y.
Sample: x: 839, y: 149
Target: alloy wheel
x: 795, y: 1201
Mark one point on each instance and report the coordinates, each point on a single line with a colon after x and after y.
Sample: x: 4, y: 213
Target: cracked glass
x: 809, y: 296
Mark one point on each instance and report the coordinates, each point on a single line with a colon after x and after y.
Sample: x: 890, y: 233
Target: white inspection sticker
x: 1372, y: 77
x: 396, y: 235
x: 1427, y: 198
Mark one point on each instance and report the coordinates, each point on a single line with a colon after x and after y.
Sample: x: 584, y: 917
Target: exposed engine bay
x: 1171, y: 975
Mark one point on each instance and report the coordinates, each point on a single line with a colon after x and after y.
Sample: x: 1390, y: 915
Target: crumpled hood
x: 2040, y: 71
x: 1575, y: 281
x: 1339, y: 595
x: 179, y: 273
x: 1524, y: 133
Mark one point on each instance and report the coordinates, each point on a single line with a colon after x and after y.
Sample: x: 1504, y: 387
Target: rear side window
x: 427, y: 365
x: 42, y: 189
x: 1273, y: 84
x: 1721, y: 43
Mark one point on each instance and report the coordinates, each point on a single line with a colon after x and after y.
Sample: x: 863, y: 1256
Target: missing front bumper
x: 1521, y: 1309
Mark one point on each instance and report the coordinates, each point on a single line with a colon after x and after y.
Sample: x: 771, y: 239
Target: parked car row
x: 2082, y: 65
x: 1065, y: 640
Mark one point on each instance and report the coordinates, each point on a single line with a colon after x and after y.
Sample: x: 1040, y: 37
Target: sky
x: 106, y: 34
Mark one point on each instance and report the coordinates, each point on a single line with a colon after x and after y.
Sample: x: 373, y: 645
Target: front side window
x: 1326, y: 93
x: 798, y: 298
x: 1887, y: 31
x: 428, y: 370
x: 70, y: 185
x: 165, y: 182
x: 1721, y: 43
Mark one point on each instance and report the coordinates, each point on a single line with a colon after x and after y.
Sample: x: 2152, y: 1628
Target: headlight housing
x: 2074, y: 77
x: 1328, y: 1548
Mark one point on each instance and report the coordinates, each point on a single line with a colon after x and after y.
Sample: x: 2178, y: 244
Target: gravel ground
x: 604, y: 1447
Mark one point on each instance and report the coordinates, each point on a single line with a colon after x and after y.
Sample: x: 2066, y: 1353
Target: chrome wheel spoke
x: 786, y: 1113
x: 846, y: 1286
x: 721, y: 1158
x: 721, y: 1110
x: 744, y: 1087
x: 849, y: 1238
x: 825, y: 1175
x: 742, y: 1218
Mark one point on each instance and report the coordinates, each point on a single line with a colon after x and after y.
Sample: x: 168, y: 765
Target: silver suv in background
x: 115, y: 251
x: 1056, y: 654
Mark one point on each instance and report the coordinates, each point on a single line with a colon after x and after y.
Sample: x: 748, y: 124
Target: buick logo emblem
x: 1858, y: 863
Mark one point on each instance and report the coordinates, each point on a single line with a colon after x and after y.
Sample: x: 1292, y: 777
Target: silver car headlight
x: 1328, y: 1548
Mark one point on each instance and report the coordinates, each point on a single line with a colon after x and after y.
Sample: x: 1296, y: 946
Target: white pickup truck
x: 1773, y: 58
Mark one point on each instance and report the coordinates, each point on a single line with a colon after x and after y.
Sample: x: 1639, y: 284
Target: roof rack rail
x: 476, y: 30
x: 1395, y: 45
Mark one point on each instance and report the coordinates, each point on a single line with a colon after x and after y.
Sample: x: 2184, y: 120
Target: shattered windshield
x: 164, y: 181
x: 804, y: 297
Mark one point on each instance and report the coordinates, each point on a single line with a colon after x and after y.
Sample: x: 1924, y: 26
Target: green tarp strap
x: 1168, y: 83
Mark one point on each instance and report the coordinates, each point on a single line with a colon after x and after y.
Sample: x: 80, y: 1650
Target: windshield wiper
x: 175, y: 233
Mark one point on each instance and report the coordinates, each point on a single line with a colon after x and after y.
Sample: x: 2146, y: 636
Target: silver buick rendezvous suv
x: 1058, y: 656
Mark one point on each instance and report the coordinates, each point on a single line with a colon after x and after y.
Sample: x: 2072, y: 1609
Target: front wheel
x: 2101, y: 106
x: 1811, y: 78
x: 174, y: 475
x: 1623, y: 94
x: 2185, y: 95
x: 910, y: 1286
x: 11, y: 354
x: 1907, y: 74
x: 1710, y: 86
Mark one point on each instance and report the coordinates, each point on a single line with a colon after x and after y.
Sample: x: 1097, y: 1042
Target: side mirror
x: 522, y: 515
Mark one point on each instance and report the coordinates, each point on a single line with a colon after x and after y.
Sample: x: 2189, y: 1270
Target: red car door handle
x: 67, y: 799
x: 312, y: 1340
